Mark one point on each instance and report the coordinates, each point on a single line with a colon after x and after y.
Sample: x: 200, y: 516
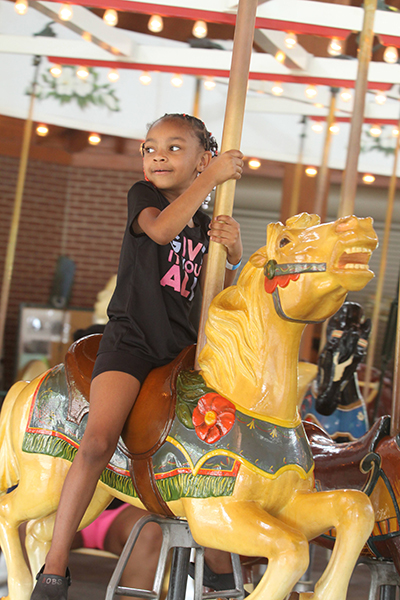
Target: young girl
x: 163, y: 255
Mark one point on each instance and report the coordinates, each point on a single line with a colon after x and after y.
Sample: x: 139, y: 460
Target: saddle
x: 149, y: 421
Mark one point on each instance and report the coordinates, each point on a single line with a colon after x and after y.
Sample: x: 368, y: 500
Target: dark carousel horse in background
x: 334, y: 401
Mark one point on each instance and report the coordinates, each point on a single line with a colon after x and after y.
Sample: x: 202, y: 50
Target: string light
x: 375, y: 131
x: 335, y: 47
x: 317, y: 127
x: 280, y: 56
x: 155, y: 24
x: 200, y: 29
x: 311, y: 171
x: 290, y: 40
x: 56, y: 70
x: 368, y: 178
x: 145, y: 78
x: 82, y: 72
x: 277, y: 89
x: 380, y: 98
x: 311, y: 91
x: 346, y: 95
x: 395, y: 131
x: 94, y: 139
x: 21, y: 6
x: 319, y: 105
x: 176, y: 80
x: 113, y: 75
x: 42, y: 130
x: 209, y: 83
x: 254, y: 163
x: 391, y: 55
x: 334, y: 129
x: 65, y: 13
x: 110, y: 17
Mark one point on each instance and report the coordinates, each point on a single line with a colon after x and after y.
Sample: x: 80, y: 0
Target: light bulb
x: 391, y: 55
x: 82, y: 72
x: 317, y: 127
x: 318, y: 105
x: 311, y: 171
x: 277, y: 89
x: 56, y: 70
x: 113, y: 75
x: 145, y: 78
x: 155, y: 24
x: 368, y: 178
x: 65, y: 12
x: 176, y: 81
x: 42, y: 130
x: 334, y: 129
x: 346, y: 95
x: 21, y: 6
x: 94, y: 139
x: 395, y: 131
x: 200, y: 29
x: 209, y: 83
x: 375, y: 131
x: 380, y: 98
x: 280, y: 56
x: 311, y: 91
x: 110, y: 17
x: 335, y: 47
x: 254, y: 163
x: 290, y: 40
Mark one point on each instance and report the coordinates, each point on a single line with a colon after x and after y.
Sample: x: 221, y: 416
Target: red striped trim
x: 389, y: 40
x: 347, y: 83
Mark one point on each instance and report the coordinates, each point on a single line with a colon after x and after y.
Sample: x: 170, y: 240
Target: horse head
x: 301, y: 276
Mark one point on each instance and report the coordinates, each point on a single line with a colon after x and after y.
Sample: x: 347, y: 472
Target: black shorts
x: 124, y: 362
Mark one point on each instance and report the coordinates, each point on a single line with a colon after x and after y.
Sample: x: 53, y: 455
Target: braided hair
x: 206, y: 139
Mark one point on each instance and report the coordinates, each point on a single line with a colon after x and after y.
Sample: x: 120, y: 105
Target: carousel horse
x: 223, y: 447
x: 334, y: 401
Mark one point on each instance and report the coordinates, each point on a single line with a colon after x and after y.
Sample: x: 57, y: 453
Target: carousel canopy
x: 290, y: 82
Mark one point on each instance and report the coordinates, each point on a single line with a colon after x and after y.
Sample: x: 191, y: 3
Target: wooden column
x: 295, y: 196
x: 349, y: 185
x: 12, y: 240
x: 231, y: 138
x: 323, y: 173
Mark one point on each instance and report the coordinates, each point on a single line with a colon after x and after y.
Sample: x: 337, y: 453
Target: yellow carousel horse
x: 235, y: 461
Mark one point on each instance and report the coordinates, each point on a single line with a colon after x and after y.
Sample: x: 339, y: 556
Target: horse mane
x: 235, y: 329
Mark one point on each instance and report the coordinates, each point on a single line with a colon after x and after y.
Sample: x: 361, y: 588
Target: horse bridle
x: 273, y: 269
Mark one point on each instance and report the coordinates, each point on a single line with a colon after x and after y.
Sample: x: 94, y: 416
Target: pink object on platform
x: 94, y: 534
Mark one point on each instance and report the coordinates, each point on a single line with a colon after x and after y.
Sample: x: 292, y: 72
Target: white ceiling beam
x: 270, y: 41
x: 321, y: 71
x: 91, y: 27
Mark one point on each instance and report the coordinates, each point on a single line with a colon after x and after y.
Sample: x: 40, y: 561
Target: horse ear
x: 303, y: 220
x: 273, y: 231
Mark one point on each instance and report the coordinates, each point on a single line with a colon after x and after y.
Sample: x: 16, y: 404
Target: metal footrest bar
x: 176, y: 534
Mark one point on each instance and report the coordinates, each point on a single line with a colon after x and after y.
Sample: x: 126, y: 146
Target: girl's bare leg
x: 112, y: 395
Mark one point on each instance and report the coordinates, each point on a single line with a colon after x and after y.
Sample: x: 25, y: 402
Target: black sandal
x: 51, y: 587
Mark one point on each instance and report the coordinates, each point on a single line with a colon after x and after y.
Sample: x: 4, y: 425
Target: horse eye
x: 284, y: 241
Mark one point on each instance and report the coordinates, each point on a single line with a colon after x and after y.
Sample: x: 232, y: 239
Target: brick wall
x: 68, y: 210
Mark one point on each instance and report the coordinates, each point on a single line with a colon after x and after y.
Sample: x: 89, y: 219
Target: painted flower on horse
x: 213, y: 417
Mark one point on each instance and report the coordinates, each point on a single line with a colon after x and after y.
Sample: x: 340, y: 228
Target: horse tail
x: 9, y: 467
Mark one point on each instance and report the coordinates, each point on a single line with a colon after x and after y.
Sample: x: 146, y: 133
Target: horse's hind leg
x: 351, y: 514
x: 244, y: 528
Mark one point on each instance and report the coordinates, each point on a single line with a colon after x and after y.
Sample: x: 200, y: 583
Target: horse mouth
x: 354, y: 259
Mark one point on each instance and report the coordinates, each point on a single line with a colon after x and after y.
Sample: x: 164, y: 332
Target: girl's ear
x: 204, y: 161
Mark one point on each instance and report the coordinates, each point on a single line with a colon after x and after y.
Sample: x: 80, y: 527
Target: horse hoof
x: 51, y: 587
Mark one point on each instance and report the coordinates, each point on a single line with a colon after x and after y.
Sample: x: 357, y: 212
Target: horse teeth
x: 355, y: 250
x: 356, y: 266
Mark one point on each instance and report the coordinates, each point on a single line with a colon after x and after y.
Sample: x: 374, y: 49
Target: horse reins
x: 291, y: 271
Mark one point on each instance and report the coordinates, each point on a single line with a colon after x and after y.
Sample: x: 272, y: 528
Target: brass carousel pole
x: 12, y: 240
x: 349, y: 185
x: 395, y: 420
x: 294, y: 199
x: 231, y: 137
x: 323, y: 174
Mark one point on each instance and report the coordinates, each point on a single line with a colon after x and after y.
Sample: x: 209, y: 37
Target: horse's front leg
x: 350, y: 512
x: 245, y: 528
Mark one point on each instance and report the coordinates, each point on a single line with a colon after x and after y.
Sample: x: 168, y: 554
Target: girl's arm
x: 163, y: 226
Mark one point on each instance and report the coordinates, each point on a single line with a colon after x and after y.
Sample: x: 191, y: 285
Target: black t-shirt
x: 149, y: 310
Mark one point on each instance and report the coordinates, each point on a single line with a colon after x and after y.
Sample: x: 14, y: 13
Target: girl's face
x: 172, y: 157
